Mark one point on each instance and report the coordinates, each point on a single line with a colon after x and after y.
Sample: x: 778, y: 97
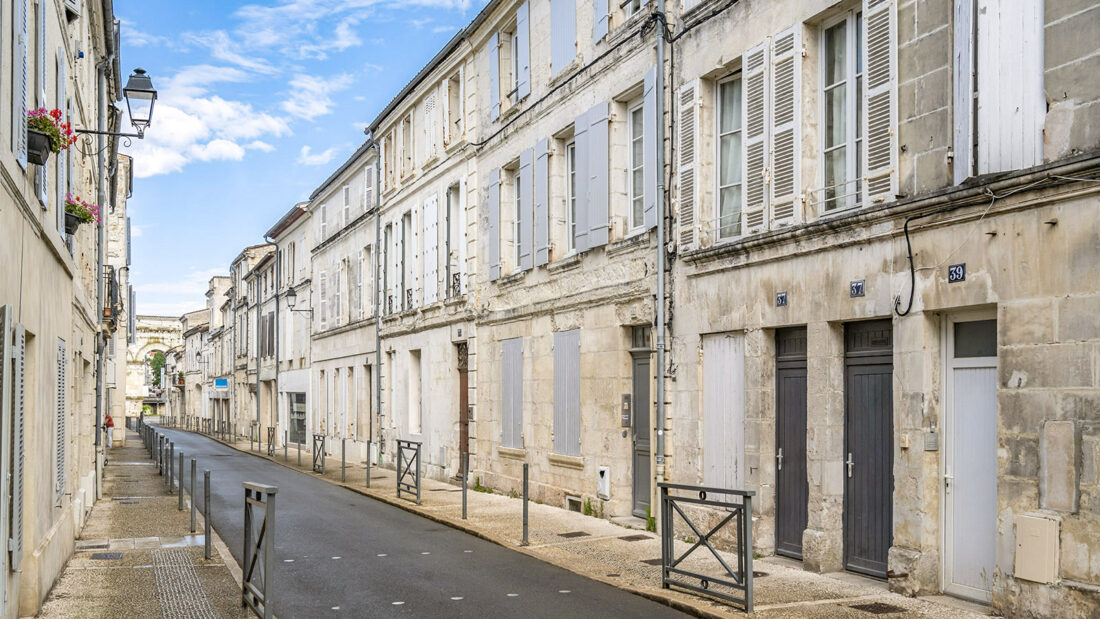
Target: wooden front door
x: 792, y: 489
x: 463, y: 403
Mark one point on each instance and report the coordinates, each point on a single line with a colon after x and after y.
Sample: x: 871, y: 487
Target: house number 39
x: 956, y: 273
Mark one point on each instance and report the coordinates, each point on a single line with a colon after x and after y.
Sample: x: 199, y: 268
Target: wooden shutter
x: 18, y: 444
x: 526, y: 211
x: 580, y: 144
x: 786, y: 127
x: 523, y: 51
x: 962, y: 99
x: 542, y: 202
x: 61, y: 160
x: 494, y: 76
x: 129, y: 237
x: 880, y: 101
x: 600, y: 19
x: 61, y: 420
x: 429, y: 125
x: 512, y: 393
x: 368, y: 189
x: 431, y: 251
x: 688, y: 158
x: 599, y: 161
x: 7, y: 377
x: 567, y: 393
x: 41, y: 176
x: 323, y: 309
x: 563, y: 34
x: 494, y: 224
x: 754, y: 123
x: 724, y: 410
x: 20, y: 71
x: 649, y: 148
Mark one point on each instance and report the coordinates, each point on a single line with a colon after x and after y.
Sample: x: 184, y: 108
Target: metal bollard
x: 524, y: 504
x: 343, y: 459
x: 192, y: 495
x: 179, y: 475
x: 206, y: 510
x: 465, y: 480
x: 171, y: 459
x: 368, y: 462
x: 251, y: 438
x: 286, y: 434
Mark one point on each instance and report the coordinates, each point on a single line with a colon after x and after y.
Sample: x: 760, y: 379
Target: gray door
x: 868, y: 437
x: 640, y: 396
x: 792, y: 490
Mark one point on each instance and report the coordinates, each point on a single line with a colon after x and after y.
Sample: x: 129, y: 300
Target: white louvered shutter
x: 368, y: 189
x: 431, y: 256
x: 20, y: 76
x: 563, y: 34
x: 600, y: 18
x: 580, y: 141
x: 62, y: 419
x: 523, y: 51
x: 323, y: 309
x: 649, y: 149
x: 7, y: 318
x: 462, y: 232
x: 63, y: 160
x: 542, y: 202
x: 526, y: 207
x: 494, y: 224
x: 41, y: 176
x: 688, y: 111
x: 599, y: 163
x: 880, y: 101
x: 429, y: 125
x: 962, y: 66
x: 494, y: 76
x: 18, y: 444
x: 786, y: 127
x: 755, y: 126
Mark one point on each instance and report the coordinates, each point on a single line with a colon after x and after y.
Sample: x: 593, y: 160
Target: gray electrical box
x: 931, y: 441
x: 626, y: 411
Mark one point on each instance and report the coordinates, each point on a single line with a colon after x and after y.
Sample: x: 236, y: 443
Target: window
x: 406, y: 261
x: 571, y: 194
x: 323, y: 291
x: 337, y: 308
x: 567, y: 393
x: 517, y: 220
x: 324, y: 223
x: 415, y: 391
x: 630, y: 7
x: 456, y: 241
x: 297, y: 418
x: 406, y: 145
x: 455, y: 128
x: 842, y: 92
x: 347, y: 204
x: 513, y: 83
x: 511, y: 407
x: 636, y: 180
x: 729, y: 158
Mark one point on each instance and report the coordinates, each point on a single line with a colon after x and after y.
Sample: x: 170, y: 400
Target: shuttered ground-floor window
x: 62, y: 386
x: 511, y: 396
x: 724, y: 410
x: 567, y: 392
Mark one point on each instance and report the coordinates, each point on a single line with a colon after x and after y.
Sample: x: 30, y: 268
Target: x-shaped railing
x: 259, y: 547
x: 319, y: 453
x: 408, y: 468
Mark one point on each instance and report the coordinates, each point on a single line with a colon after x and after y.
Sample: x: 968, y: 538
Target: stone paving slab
x: 786, y: 591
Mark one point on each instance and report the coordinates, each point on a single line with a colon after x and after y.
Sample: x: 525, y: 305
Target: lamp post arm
x: 139, y: 135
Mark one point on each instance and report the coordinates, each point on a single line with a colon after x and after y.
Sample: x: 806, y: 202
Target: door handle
x: 779, y: 459
x: 947, y: 479
x: 851, y: 463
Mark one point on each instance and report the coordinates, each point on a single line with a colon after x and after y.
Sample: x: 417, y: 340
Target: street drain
x: 878, y: 608
x: 613, y: 575
x: 634, y: 538
x: 106, y: 556
x: 651, y: 561
x: 129, y: 502
x: 574, y: 534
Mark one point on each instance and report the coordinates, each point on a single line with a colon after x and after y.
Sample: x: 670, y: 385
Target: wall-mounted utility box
x: 1037, y: 548
x: 603, y: 484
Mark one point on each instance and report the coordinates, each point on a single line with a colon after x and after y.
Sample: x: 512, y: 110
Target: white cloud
x: 311, y: 96
x: 420, y: 23
x: 177, y: 296
x: 306, y: 156
x: 136, y: 231
x: 260, y: 146
x: 230, y: 50
x: 439, y: 29
x: 217, y: 150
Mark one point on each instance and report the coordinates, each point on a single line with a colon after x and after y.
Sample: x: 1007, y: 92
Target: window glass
x: 571, y: 192
x: 637, y: 167
x: 976, y: 339
x: 842, y: 86
x: 729, y: 158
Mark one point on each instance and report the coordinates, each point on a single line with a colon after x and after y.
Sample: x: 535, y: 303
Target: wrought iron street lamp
x: 140, y: 99
x: 292, y: 299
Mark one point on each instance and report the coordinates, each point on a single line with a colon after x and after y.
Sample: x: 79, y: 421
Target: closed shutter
x: 542, y: 200
x: 526, y: 212
x: 786, y: 127
x: 20, y: 72
x: 358, y: 285
x: 62, y: 392
x: 462, y: 240
x: 18, y: 445
x: 687, y: 172
x: 567, y: 393
x: 336, y: 306
x: 494, y: 76
x: 599, y: 160
x: 431, y: 256
x: 563, y: 34
x: 755, y: 126
x: 580, y: 144
x: 63, y: 160
x: 724, y: 411
x: 7, y: 377
x: 40, y: 62
x: 962, y: 100
x: 649, y: 147
x: 324, y: 300
x: 368, y: 189
x: 523, y: 51
x: 129, y: 245
x: 494, y: 224
x: 880, y: 105
x: 600, y: 18
x: 512, y: 393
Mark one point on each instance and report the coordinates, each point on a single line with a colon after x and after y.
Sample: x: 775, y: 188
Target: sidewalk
x: 629, y: 559
x: 136, y: 557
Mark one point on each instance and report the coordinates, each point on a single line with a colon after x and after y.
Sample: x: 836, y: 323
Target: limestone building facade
x: 153, y: 335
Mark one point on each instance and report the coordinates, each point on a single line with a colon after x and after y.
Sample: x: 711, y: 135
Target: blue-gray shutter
x: 41, y: 174
x: 494, y: 224
x: 62, y: 159
x: 580, y: 142
x: 62, y: 419
x: 20, y: 71
x: 129, y: 245
x: 511, y: 401
x: 18, y: 446
x: 563, y: 34
x: 542, y: 199
x: 526, y: 213
x: 7, y: 318
x: 599, y: 161
x: 567, y: 393
x: 649, y: 148
x: 523, y: 51
x: 494, y: 77
x: 600, y: 17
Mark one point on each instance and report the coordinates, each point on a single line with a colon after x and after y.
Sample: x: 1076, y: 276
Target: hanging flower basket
x: 38, y: 147
x: 46, y: 126
x: 78, y: 212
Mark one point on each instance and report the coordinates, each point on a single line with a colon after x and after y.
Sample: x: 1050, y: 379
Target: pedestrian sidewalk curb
x: 652, y: 595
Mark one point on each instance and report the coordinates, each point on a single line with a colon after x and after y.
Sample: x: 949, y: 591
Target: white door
x: 724, y: 411
x: 970, y: 458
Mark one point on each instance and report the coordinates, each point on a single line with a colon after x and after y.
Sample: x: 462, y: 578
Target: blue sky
x: 258, y: 103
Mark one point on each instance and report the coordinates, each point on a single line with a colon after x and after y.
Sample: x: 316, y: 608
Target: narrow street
x: 339, y: 553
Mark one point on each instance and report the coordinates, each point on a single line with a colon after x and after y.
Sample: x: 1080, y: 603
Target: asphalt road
x: 339, y: 553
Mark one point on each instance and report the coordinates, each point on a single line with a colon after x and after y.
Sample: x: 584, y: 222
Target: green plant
x: 146, y: 409
x: 86, y: 213
x: 587, y: 511
x: 650, y: 522
x: 513, y: 494
x: 479, y: 488
x: 156, y: 364
x: 601, y: 508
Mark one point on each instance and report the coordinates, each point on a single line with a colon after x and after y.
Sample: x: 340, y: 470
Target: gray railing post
x: 524, y: 504
x: 251, y: 438
x: 271, y: 441
x: 179, y: 475
x: 259, y: 544
x: 746, y: 517
x: 299, y: 453
x: 206, y: 511
x: 286, y: 443
x: 343, y: 460
x: 171, y: 461
x: 193, y: 501
x: 368, y: 462
x: 465, y: 480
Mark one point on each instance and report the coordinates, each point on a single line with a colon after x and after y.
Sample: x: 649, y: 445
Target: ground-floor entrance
x: 792, y: 488
x: 640, y: 421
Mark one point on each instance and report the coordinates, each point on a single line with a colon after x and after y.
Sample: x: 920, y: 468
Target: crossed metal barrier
x: 259, y: 540
x: 319, y: 453
x: 270, y: 441
x: 734, y: 585
x: 408, y: 468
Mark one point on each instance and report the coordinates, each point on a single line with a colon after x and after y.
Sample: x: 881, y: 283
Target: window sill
x: 511, y: 280
x: 569, y: 462
x: 456, y: 146
x: 564, y: 74
x: 455, y: 301
x: 511, y: 452
x: 569, y: 262
x: 640, y: 237
x: 430, y: 161
x: 510, y: 111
